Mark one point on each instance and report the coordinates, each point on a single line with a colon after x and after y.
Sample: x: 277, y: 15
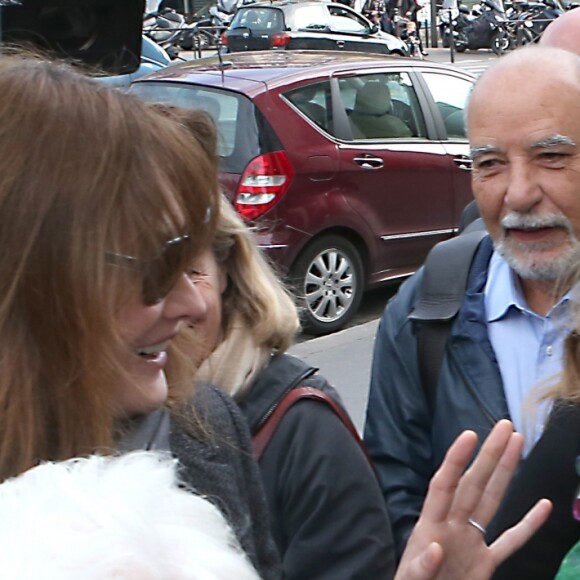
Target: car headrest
x: 374, y: 98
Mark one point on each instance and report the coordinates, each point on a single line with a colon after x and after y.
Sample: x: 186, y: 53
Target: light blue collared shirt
x: 528, y: 347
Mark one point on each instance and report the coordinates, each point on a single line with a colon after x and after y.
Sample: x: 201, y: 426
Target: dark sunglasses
x: 159, y: 274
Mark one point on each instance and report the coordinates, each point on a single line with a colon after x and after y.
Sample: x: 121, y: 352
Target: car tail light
x: 264, y: 181
x: 224, y: 38
x: 279, y: 40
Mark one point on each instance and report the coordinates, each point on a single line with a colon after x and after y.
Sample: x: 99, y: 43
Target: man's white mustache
x: 522, y: 221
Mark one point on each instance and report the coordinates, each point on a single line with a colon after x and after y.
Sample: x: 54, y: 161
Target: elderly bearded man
x: 507, y: 339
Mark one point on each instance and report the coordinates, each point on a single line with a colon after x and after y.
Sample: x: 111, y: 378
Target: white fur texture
x: 113, y: 517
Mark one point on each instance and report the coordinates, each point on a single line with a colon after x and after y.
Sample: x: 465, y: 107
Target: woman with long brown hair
x: 104, y: 203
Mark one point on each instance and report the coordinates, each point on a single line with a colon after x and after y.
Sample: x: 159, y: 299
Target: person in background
x: 508, y: 335
x: 409, y: 9
x: 328, y: 516
x: 124, y: 517
x: 375, y: 11
x: 104, y: 205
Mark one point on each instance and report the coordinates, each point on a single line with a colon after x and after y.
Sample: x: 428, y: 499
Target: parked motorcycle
x: 205, y: 28
x: 165, y: 28
x: 200, y: 34
x: 529, y: 19
x: 488, y: 30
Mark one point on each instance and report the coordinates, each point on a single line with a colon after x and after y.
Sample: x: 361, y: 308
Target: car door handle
x: 340, y: 43
x: 463, y: 162
x: 369, y: 162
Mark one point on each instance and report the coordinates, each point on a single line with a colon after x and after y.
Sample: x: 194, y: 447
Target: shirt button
x: 549, y: 350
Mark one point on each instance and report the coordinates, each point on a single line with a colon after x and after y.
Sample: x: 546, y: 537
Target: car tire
x: 328, y: 279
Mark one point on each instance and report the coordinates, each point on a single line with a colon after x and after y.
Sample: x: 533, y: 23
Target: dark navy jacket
x: 406, y: 441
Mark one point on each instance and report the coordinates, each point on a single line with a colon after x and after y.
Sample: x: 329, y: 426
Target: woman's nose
x: 184, y: 301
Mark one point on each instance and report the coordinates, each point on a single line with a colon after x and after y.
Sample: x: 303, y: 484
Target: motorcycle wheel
x: 525, y: 37
x: 461, y: 42
x: 500, y: 42
x: 203, y: 39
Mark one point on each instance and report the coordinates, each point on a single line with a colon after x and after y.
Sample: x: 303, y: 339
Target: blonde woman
x: 552, y: 470
x: 328, y: 515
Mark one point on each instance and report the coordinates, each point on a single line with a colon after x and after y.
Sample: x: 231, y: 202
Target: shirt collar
x: 503, y: 291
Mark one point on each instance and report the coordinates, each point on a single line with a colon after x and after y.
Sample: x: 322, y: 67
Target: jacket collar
x: 283, y: 373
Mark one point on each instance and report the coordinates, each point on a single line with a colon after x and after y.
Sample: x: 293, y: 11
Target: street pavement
x: 474, y: 62
x: 344, y: 358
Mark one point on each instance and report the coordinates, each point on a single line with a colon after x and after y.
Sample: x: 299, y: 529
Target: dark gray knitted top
x: 217, y: 464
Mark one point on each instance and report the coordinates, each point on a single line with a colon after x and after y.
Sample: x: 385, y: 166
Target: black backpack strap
x: 440, y: 297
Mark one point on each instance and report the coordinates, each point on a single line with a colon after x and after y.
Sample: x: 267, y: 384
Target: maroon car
x: 348, y: 166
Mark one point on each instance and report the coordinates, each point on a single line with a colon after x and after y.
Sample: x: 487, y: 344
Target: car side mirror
x: 374, y: 29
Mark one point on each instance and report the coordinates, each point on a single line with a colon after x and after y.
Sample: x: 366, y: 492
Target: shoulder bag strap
x: 262, y: 437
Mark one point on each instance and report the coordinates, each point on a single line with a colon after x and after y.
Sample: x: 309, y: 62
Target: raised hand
x: 448, y: 541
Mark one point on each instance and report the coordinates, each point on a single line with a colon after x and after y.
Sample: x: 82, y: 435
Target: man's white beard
x: 526, y: 259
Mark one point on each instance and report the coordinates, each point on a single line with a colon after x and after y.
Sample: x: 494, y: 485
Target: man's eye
x: 553, y: 156
x: 486, y: 164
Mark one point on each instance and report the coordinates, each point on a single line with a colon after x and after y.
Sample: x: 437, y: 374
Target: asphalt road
x: 474, y: 62
x: 344, y: 358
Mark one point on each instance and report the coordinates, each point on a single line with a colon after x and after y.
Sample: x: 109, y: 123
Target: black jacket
x: 548, y: 471
x: 328, y: 515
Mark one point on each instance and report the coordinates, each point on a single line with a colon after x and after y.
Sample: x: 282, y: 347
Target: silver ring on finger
x: 477, y: 526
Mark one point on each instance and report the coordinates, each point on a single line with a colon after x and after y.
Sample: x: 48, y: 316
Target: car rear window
x: 310, y: 18
x: 243, y: 132
x: 265, y: 19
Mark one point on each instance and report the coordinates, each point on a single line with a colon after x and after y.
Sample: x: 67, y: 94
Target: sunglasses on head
x: 159, y: 274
